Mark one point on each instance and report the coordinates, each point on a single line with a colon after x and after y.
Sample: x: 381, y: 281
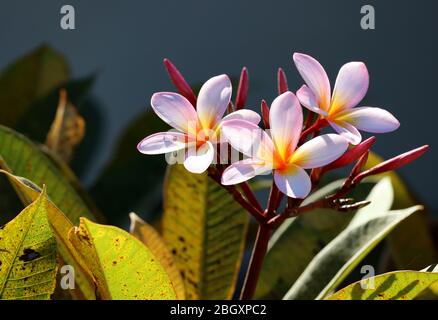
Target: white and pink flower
x: 197, y: 131
x: 339, y: 108
x: 279, y: 152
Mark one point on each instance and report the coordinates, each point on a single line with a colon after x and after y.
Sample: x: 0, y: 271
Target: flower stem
x: 256, y: 262
x: 250, y: 196
x: 273, y: 200
x: 318, y: 125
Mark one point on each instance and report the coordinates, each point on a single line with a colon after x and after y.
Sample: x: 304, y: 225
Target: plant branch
x: 250, y: 196
x: 238, y: 197
x: 316, y: 127
x: 255, y: 265
x: 273, y: 200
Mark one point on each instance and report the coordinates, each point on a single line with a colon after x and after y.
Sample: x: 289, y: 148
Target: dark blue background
x: 125, y: 41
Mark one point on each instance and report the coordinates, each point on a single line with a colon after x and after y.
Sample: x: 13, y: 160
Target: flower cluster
x: 202, y: 135
x: 234, y: 148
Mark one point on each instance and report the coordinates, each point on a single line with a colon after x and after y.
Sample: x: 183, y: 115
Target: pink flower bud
x: 351, y: 155
x: 393, y: 164
x: 358, y: 167
x: 265, y: 114
x: 242, y: 90
x: 180, y: 83
x: 282, y: 81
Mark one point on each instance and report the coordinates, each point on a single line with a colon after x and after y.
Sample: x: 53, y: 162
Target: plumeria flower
x: 279, y: 151
x: 338, y: 108
x: 197, y: 131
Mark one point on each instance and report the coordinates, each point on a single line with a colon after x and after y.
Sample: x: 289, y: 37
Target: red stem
x: 255, y: 265
x: 260, y: 246
x: 250, y: 196
x: 309, y: 120
x: 273, y: 200
x: 318, y: 125
x: 257, y: 214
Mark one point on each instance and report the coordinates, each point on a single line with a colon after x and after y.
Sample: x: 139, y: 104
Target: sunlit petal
x: 175, y: 110
x: 198, y: 161
x: 244, y: 170
x: 244, y: 114
x: 315, y: 77
x: 308, y: 100
x: 163, y: 142
x: 213, y: 100
x: 348, y: 131
x: 294, y: 183
x: 286, y: 121
x: 370, y: 119
x: 247, y: 138
x: 320, y: 151
x: 351, y: 86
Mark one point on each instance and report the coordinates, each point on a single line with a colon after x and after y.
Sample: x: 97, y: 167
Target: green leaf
x: 29, y: 78
x: 152, y: 239
x: 397, y: 285
x: 21, y: 157
x: 332, y: 264
x: 294, y: 244
x: 123, y: 267
x: 405, y: 252
x: 134, y: 177
x: 28, y: 255
x: 61, y: 226
x: 205, y: 230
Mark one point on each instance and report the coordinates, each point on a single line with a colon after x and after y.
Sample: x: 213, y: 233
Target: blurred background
x: 118, y: 47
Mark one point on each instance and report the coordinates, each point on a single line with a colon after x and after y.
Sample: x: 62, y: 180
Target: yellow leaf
x: 205, y: 230
x: 397, y: 285
x: 67, y: 130
x: 152, y: 239
x: 123, y: 267
x: 61, y: 226
x: 28, y: 254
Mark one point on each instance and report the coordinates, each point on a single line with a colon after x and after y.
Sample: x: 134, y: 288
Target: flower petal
x: 308, y: 100
x: 320, y: 151
x: 244, y: 114
x: 163, y: 142
x: 197, y: 161
x: 175, y: 110
x: 247, y: 138
x: 351, y: 86
x: 370, y: 119
x: 294, y: 183
x: 286, y: 121
x: 348, y: 131
x: 315, y: 77
x: 213, y: 99
x: 244, y: 170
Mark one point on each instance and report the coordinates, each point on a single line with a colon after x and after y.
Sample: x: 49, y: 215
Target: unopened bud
x: 265, y: 114
x: 393, y: 164
x: 282, y: 81
x: 180, y: 83
x: 242, y: 90
x: 351, y: 155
